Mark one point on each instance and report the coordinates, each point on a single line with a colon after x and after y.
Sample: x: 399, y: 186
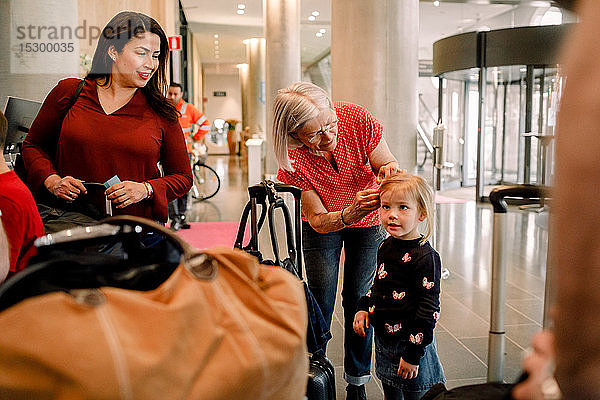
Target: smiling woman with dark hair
x: 120, y: 124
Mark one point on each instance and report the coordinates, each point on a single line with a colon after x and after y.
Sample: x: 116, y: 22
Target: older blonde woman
x: 335, y: 152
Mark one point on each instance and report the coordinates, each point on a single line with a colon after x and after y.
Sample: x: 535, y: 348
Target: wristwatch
x: 149, y: 189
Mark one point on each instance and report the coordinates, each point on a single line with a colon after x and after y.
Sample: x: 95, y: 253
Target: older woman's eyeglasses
x: 316, y: 136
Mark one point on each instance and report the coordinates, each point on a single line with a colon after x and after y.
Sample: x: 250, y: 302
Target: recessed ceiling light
x: 216, y: 47
x: 315, y: 13
x: 216, y: 35
x: 322, y: 30
x: 240, y: 12
x: 318, y: 34
x: 216, y: 42
x: 436, y: 3
x: 311, y: 17
x: 241, y: 6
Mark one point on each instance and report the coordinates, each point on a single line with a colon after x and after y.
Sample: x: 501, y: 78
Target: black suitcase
x: 321, y: 375
x: 321, y: 378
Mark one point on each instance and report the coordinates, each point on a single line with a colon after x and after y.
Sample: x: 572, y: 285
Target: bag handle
x: 256, y: 197
x: 277, y: 202
x: 192, y: 257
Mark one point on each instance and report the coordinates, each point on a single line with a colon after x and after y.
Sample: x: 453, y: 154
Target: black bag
x: 487, y: 391
x: 321, y: 376
x: 144, y: 257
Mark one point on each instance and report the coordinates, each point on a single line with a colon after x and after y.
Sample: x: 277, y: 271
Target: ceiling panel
x: 209, y: 17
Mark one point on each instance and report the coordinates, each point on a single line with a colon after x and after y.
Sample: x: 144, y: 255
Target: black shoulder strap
x: 74, y: 97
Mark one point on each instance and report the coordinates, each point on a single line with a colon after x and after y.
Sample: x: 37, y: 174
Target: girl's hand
x: 67, y: 188
x: 361, y: 323
x: 126, y: 193
x: 407, y: 370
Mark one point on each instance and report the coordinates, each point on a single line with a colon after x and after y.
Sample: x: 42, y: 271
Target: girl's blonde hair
x: 415, y: 187
x: 293, y: 107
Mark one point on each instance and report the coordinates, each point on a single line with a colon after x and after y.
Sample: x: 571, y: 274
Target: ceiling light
x: 315, y: 13
x: 436, y: 3
x: 216, y: 35
x: 216, y: 47
x: 240, y: 12
x: 216, y: 56
x: 216, y: 42
x: 311, y: 17
x: 241, y: 6
x: 318, y: 34
x: 322, y: 30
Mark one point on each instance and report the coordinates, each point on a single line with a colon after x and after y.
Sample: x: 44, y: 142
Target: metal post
x: 481, y: 136
x: 528, y: 119
x: 504, y: 133
x: 541, y: 145
x: 496, y: 341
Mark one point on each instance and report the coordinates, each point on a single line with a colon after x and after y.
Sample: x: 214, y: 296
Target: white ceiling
x: 209, y: 17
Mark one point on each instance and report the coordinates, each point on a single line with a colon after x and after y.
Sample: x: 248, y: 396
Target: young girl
x: 404, y: 302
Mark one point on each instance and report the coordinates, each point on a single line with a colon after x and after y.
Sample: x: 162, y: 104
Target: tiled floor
x: 463, y: 239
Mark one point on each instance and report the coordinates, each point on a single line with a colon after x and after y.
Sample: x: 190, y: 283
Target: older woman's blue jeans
x: 322, y: 258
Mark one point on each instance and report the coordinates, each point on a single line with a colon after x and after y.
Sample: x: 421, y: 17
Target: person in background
x: 336, y: 153
x: 20, y: 215
x: 574, y: 217
x: 190, y: 116
x: 232, y: 136
x: 403, y: 305
x: 120, y: 126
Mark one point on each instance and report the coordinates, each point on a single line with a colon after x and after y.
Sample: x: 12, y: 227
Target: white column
x: 282, y: 32
x: 243, y: 71
x: 255, y: 53
x: 374, y: 63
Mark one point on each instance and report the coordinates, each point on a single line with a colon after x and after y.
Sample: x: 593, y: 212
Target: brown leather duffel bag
x: 221, y: 326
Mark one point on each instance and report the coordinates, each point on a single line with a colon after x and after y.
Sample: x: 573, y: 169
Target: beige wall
x: 228, y: 107
x: 98, y: 13
x: 197, y: 75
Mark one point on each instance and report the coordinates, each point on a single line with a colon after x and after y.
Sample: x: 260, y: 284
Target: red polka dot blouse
x: 359, y: 133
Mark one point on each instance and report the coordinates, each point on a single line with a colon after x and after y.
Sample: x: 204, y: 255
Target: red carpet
x: 208, y: 234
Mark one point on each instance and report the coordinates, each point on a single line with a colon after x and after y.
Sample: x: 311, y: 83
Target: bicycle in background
x: 206, y: 180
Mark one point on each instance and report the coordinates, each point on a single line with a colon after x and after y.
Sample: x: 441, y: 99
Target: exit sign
x: 220, y: 94
x: 175, y: 42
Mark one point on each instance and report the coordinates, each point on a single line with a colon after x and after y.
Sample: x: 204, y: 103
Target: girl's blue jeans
x: 322, y: 258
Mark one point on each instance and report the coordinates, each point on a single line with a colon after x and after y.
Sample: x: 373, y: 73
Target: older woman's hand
x: 126, y: 193
x: 67, y: 188
x: 364, y: 202
x: 388, y: 170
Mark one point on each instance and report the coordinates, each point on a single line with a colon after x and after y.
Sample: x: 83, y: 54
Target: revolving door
x: 498, y: 98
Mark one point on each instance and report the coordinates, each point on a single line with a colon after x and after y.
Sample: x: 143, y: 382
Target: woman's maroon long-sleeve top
x: 93, y: 146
